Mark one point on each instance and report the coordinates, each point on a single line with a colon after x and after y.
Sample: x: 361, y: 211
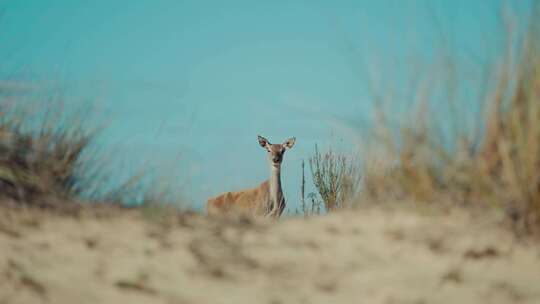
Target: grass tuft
x: 48, y: 159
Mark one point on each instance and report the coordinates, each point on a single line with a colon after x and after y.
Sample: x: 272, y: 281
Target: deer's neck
x: 276, y: 194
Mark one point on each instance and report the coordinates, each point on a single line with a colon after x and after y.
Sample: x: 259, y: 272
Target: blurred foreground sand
x: 368, y: 256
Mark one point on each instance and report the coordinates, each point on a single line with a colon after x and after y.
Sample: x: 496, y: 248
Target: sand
x: 374, y: 255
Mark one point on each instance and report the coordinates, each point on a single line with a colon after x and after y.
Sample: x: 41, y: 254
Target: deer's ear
x: 263, y: 142
x: 289, y: 143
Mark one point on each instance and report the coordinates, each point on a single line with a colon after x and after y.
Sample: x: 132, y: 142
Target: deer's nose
x: 275, y: 159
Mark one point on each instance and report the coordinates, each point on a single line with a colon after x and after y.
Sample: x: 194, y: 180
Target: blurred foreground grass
x: 433, y: 157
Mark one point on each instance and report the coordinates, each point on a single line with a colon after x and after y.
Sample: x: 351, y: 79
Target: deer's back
x: 252, y: 201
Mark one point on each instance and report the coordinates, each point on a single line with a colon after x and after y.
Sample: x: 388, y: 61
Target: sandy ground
x: 367, y: 256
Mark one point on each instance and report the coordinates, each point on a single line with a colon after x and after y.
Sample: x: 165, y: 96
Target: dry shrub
x: 335, y: 177
x: 495, y: 162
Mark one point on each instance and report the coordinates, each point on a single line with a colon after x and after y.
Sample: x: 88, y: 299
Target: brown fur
x: 256, y: 201
x: 247, y: 202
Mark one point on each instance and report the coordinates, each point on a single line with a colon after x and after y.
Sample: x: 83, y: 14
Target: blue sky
x: 189, y: 84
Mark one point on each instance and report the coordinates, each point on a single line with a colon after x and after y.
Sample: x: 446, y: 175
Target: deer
x: 267, y: 199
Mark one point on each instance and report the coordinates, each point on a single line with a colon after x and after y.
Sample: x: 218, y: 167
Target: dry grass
x: 48, y: 159
x: 494, y: 163
x: 335, y: 177
x: 41, y: 155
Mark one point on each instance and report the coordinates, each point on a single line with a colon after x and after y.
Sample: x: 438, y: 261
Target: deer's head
x: 276, y: 151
